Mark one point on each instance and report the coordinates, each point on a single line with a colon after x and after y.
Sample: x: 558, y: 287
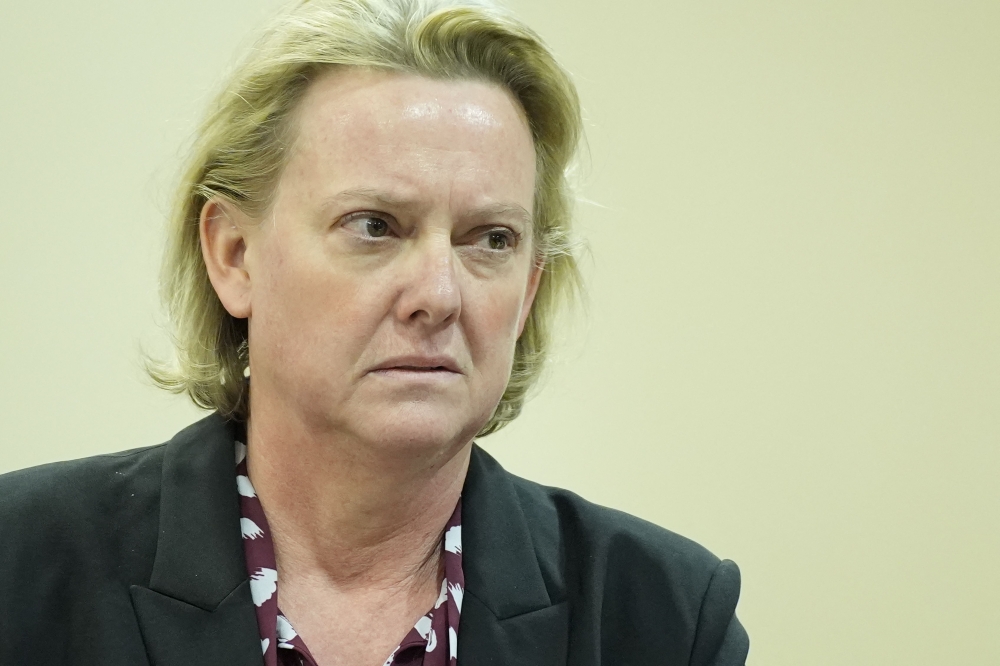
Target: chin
x: 424, y: 427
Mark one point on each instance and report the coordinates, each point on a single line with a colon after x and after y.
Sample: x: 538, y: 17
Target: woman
x: 369, y: 247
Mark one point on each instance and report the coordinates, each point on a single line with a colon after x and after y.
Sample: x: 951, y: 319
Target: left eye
x: 499, y: 239
x: 376, y: 228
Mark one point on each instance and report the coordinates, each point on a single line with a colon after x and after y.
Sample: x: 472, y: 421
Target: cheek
x: 302, y: 304
x: 491, y: 323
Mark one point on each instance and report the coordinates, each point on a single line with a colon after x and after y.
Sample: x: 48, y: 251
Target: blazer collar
x: 508, y: 615
x: 197, y: 609
x: 499, y: 561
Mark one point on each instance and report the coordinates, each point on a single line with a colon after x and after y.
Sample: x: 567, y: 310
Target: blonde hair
x: 240, y: 150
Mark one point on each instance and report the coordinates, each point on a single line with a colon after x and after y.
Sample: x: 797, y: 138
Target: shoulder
x: 628, y: 549
x: 635, y: 575
x: 613, y: 533
x: 79, y: 535
x: 101, y: 511
x: 98, y: 474
x: 562, y: 521
x: 79, y: 496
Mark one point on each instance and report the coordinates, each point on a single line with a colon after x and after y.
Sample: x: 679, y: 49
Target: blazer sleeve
x: 720, y: 639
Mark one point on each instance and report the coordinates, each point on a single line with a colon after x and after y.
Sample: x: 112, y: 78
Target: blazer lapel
x: 197, y: 610
x: 508, y: 616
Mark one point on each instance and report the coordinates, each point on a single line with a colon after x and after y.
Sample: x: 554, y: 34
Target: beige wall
x: 791, y: 352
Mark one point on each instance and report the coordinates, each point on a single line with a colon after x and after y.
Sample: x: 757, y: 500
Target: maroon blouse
x: 433, y: 641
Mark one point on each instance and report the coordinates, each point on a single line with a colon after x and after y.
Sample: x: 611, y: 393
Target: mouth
x: 426, y: 365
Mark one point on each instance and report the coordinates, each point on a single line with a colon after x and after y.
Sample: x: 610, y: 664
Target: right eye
x: 368, y: 225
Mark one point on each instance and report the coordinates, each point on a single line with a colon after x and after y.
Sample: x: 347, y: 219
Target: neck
x: 353, y: 514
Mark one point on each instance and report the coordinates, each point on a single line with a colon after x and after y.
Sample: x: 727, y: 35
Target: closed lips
x: 434, y: 364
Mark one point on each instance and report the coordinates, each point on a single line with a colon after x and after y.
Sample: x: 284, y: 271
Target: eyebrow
x: 388, y: 199
x: 371, y: 194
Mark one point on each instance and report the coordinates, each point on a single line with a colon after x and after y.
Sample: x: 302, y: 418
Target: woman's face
x: 391, y: 279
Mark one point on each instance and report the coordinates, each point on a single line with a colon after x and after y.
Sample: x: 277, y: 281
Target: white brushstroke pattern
x: 263, y: 583
x: 244, y: 487
x: 250, y: 529
x: 453, y: 540
x: 456, y: 592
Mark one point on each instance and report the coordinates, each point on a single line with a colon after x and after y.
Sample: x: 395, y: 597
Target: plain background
x: 790, y: 352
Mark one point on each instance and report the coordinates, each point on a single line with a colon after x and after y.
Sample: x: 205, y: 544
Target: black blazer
x: 136, y: 558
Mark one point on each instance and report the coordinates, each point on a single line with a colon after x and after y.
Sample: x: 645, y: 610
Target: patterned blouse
x: 433, y: 641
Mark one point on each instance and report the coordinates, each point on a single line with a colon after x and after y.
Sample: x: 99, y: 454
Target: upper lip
x: 416, y: 362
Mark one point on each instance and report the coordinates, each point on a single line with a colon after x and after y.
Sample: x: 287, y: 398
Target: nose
x: 431, y: 295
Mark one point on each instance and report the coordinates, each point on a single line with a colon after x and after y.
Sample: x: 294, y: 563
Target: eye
x: 376, y: 227
x: 368, y: 225
x: 499, y: 240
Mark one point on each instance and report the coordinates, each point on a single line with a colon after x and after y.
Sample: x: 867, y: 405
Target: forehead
x: 365, y: 128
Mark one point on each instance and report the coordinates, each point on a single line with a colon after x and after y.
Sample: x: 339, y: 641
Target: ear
x: 223, y: 229
x: 534, y: 278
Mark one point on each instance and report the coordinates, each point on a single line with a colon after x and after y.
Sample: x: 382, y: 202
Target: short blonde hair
x: 241, y: 147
